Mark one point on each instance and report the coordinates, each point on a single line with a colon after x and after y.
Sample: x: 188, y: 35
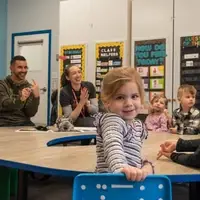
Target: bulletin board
x: 109, y: 55
x: 73, y: 54
x: 190, y: 63
x: 150, y: 56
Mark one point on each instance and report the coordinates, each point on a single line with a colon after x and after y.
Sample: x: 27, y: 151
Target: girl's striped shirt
x: 118, y: 143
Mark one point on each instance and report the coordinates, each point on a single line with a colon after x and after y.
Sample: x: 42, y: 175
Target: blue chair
x: 116, y: 187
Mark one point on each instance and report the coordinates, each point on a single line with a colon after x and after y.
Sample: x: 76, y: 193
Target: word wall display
x: 190, y: 63
x: 73, y: 54
x: 108, y: 56
x: 149, y: 60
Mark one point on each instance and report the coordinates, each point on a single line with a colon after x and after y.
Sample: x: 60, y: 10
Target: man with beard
x: 19, y: 100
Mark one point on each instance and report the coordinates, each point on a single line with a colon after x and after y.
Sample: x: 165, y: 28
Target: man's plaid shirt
x: 186, y: 123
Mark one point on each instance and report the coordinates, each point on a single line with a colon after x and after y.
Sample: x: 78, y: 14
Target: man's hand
x: 166, y: 149
x: 35, y: 89
x: 25, y: 93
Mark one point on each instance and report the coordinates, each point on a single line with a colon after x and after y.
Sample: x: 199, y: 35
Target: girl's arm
x: 163, y: 124
x: 113, y: 130
x: 148, y: 123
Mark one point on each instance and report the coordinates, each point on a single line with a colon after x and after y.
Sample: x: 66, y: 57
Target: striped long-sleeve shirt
x: 118, y: 143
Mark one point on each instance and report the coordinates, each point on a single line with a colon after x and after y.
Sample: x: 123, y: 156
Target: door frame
x: 49, y: 61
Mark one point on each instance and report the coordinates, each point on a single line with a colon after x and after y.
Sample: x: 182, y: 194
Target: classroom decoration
x: 190, y: 63
x: 72, y: 54
x: 109, y: 55
x: 149, y: 61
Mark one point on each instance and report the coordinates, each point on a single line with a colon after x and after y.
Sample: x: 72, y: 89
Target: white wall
x: 3, y: 37
x: 186, y: 24
x: 34, y: 15
x: 152, y: 19
x: 92, y: 21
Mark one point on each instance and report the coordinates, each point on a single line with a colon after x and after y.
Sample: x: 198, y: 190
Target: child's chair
x: 117, y: 187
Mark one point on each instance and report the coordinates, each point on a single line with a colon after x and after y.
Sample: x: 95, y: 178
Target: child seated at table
x: 191, y: 160
x: 186, y: 119
x: 119, y: 134
x: 158, y: 119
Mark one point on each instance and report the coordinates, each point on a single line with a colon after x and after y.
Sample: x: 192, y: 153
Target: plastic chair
x: 117, y: 187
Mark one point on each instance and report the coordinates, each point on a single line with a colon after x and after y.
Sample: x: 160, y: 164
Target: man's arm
x: 191, y: 160
x: 7, y: 100
x: 187, y: 145
x: 31, y: 106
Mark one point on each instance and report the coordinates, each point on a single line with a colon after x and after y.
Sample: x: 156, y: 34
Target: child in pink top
x: 158, y: 118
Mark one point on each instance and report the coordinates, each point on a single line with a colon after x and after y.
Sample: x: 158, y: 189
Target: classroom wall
x: 186, y: 24
x: 171, y: 19
x: 153, y: 20
x: 93, y: 21
x: 3, y: 37
x: 34, y: 15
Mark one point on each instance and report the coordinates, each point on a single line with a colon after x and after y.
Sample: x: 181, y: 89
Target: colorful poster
x: 190, y: 63
x: 143, y: 71
x: 150, y: 63
x: 146, y: 97
x: 145, y: 83
x: 109, y: 55
x: 72, y: 54
x: 157, y: 83
x: 157, y: 70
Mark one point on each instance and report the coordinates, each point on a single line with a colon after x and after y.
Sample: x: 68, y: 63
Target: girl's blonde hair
x: 159, y: 96
x: 186, y: 89
x: 116, y: 78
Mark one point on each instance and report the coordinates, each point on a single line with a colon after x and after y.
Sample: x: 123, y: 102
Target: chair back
x: 107, y: 186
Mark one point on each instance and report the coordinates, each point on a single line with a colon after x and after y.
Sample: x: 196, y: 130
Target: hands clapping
x: 25, y: 93
x: 84, y: 96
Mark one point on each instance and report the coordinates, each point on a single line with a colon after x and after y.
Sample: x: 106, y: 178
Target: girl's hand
x: 150, y: 109
x: 134, y: 174
x: 166, y: 112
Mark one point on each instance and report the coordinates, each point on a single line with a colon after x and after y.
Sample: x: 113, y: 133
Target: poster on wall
x: 109, y: 55
x: 73, y: 54
x: 149, y: 60
x: 190, y: 63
